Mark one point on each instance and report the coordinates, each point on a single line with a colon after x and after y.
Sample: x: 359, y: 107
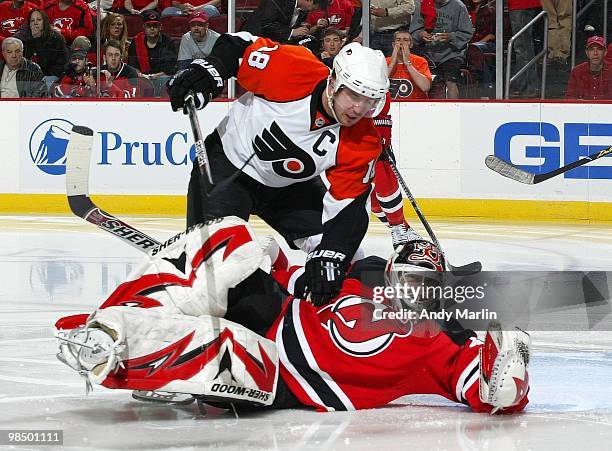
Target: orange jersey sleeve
x: 421, y: 65
x: 357, y: 153
x: 280, y: 73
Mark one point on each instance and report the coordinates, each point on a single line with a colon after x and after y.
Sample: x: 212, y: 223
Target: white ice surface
x: 51, y: 267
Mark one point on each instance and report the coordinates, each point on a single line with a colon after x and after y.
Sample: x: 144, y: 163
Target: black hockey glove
x: 324, y: 274
x: 201, y: 77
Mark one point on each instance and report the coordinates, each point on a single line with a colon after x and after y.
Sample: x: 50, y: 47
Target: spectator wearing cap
x: 198, y: 41
x: 71, y: 18
x: 78, y: 80
x: 280, y: 20
x: 84, y: 43
x: 591, y: 80
x: 19, y: 77
x: 187, y: 7
x: 152, y: 52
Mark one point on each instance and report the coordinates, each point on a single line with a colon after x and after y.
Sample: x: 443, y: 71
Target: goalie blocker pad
x: 206, y: 356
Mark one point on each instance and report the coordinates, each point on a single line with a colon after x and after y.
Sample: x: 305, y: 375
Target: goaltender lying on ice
x: 212, y: 315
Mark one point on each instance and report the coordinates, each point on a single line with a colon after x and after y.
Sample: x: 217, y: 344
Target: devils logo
x: 355, y: 330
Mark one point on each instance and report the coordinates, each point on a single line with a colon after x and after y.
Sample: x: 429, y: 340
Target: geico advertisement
x: 139, y: 148
x: 538, y: 139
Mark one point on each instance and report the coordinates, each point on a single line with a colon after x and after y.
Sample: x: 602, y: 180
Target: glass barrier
x: 435, y: 49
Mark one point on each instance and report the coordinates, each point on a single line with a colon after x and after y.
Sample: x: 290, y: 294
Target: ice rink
x: 55, y: 266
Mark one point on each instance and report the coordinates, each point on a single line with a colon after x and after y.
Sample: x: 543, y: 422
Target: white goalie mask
x: 416, y: 264
x: 362, y: 70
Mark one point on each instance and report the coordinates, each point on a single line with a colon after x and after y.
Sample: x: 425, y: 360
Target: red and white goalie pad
x: 504, y: 358
x: 151, y: 349
x: 192, y: 272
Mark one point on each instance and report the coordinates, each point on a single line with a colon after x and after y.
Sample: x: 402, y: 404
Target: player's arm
x: 345, y: 215
x: 205, y: 76
x: 345, y: 222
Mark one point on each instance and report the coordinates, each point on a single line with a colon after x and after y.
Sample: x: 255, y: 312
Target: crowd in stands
x: 434, y: 48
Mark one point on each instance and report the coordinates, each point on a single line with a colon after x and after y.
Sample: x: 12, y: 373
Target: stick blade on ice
x: 508, y: 170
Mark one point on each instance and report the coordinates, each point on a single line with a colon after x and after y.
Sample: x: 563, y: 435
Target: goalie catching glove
x: 203, y: 77
x: 504, y: 360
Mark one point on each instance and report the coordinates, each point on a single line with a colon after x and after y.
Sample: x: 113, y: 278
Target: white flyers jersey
x: 282, y: 121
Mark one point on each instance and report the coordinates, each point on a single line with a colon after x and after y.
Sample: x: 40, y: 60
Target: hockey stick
x: 78, y: 156
x: 202, y: 157
x: 470, y: 268
x: 203, y: 163
x: 515, y: 173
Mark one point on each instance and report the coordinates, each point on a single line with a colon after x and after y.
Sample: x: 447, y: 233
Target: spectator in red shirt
x: 337, y: 14
x: 13, y: 14
x: 71, y: 18
x: 592, y: 80
x: 117, y: 78
x: 78, y: 80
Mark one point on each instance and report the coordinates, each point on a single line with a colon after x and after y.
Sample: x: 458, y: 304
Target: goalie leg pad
x: 504, y: 360
x: 206, y: 356
x: 192, y: 272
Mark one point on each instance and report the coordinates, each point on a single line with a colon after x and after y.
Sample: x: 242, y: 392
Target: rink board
x: 142, y: 150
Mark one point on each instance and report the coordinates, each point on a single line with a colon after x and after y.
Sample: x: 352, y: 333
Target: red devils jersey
x: 11, y: 19
x: 74, y: 21
x: 338, y: 14
x: 346, y: 356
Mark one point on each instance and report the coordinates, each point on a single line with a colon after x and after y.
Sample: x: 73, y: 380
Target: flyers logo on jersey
x: 288, y: 159
x: 400, y: 88
x: 355, y: 330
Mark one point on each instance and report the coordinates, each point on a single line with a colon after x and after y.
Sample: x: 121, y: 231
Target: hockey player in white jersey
x: 304, y: 140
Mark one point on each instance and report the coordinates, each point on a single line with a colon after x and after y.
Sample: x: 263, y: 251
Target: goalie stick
x: 78, y: 160
x: 78, y: 156
x: 470, y: 268
x: 515, y: 173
